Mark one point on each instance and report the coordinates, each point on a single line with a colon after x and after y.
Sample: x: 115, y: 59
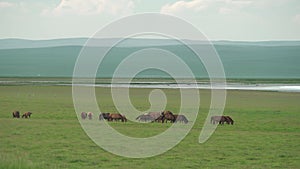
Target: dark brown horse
x: 229, y: 120
x: 26, y: 115
x: 181, y: 119
x: 116, y: 117
x: 104, y: 116
x: 168, y: 116
x: 16, y: 114
x: 83, y: 115
x: 145, y: 118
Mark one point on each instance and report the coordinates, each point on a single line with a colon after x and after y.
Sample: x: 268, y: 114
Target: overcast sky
x: 253, y: 20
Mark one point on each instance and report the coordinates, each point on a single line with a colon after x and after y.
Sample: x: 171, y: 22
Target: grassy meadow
x: 265, y: 134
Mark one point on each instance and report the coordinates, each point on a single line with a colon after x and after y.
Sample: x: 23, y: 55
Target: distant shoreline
x: 168, y: 80
x: 278, y: 85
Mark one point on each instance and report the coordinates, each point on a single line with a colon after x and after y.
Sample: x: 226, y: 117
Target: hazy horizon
x: 79, y: 37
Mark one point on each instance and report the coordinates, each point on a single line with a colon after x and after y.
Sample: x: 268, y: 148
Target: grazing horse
x: 16, y: 114
x: 180, y: 118
x: 124, y: 118
x: 116, y: 117
x: 217, y: 119
x: 90, y: 115
x: 229, y: 120
x: 104, y: 116
x: 221, y: 120
x: 26, y: 115
x: 168, y: 116
x: 145, y: 118
x: 83, y: 115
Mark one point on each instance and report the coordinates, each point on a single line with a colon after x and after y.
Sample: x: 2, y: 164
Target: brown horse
x: 180, y: 118
x: 124, y: 118
x: 83, y: 115
x: 26, y: 115
x: 116, y: 117
x: 104, y: 116
x: 90, y: 115
x: 16, y: 114
x: 168, y: 116
x: 145, y: 118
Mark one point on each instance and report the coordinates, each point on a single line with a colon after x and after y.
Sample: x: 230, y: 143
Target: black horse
x: 16, y: 114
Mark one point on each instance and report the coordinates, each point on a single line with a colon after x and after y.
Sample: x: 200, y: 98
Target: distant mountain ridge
x: 132, y: 42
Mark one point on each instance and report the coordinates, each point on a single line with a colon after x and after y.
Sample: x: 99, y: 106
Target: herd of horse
x: 16, y: 114
x: 162, y: 117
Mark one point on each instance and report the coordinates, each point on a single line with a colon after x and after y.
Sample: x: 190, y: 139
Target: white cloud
x: 231, y: 6
x: 223, y: 6
x: 194, y: 5
x: 6, y: 4
x: 91, y: 7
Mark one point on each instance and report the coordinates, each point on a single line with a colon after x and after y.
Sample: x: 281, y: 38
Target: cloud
x: 223, y: 6
x: 6, y: 4
x: 231, y: 6
x: 91, y: 7
x: 194, y: 5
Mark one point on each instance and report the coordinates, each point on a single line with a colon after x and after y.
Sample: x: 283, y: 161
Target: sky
x: 242, y: 20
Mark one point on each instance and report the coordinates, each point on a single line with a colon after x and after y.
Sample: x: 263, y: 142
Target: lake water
x: 167, y: 85
x: 230, y: 86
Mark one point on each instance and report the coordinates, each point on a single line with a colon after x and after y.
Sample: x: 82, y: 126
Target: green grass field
x: 265, y: 134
